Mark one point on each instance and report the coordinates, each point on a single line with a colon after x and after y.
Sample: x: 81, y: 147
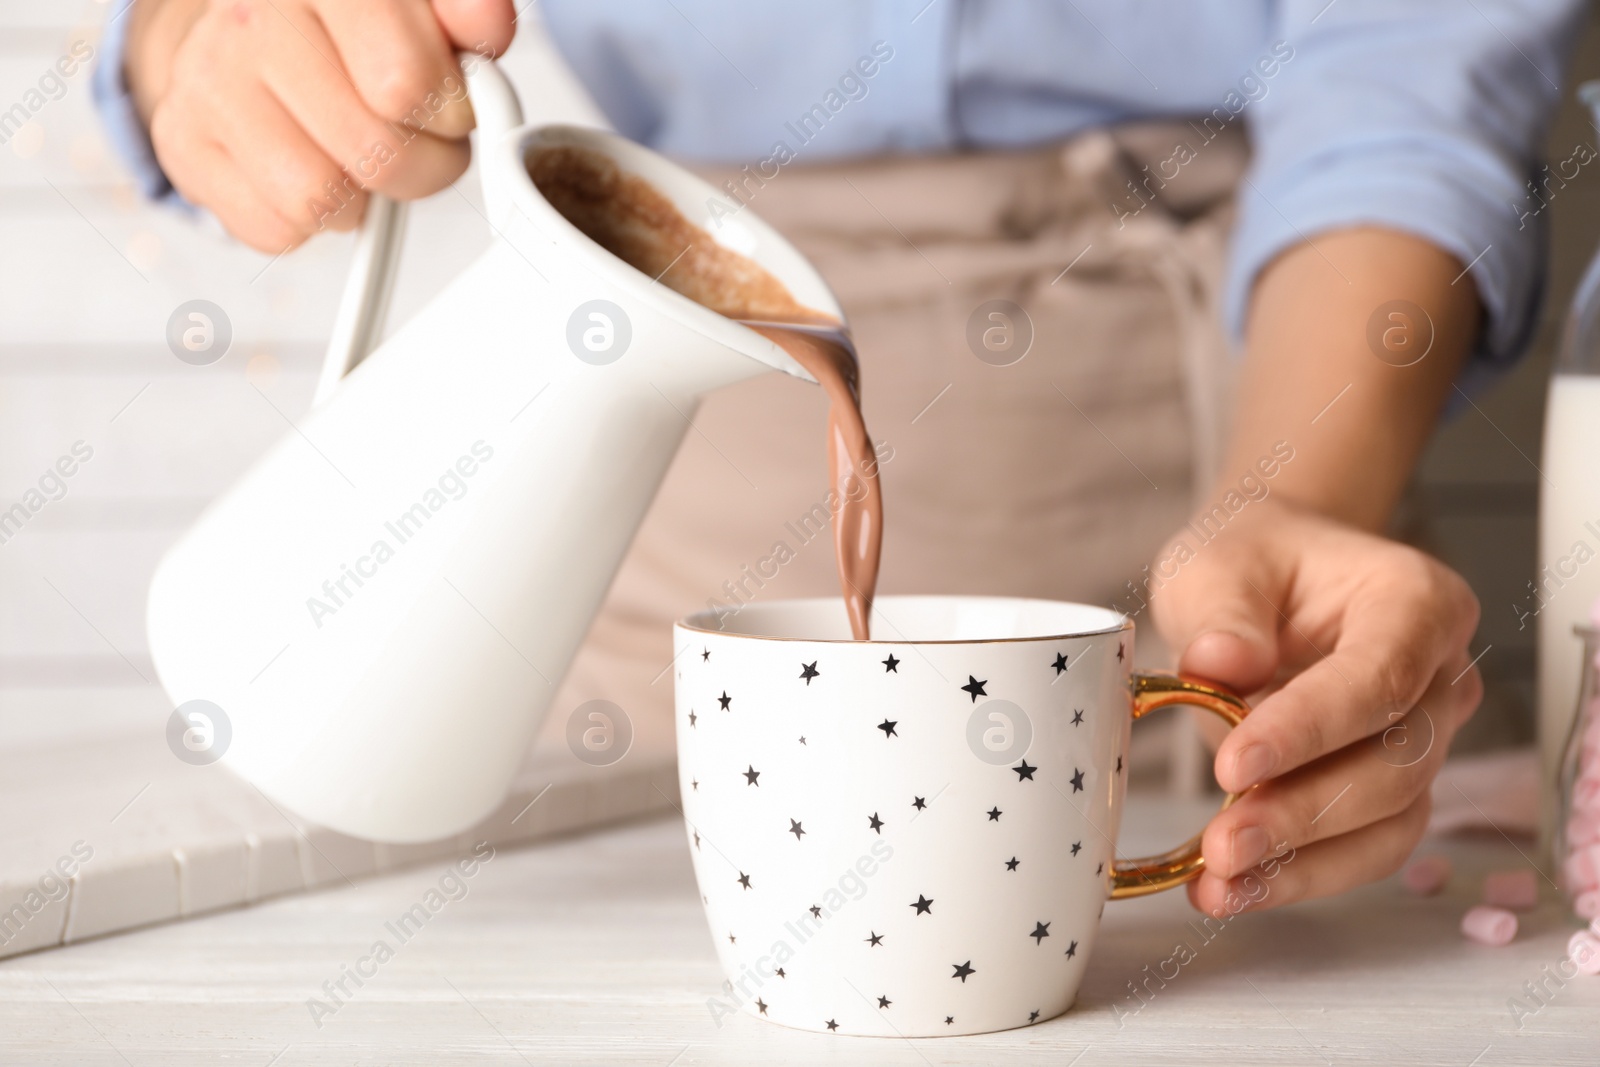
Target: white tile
x: 122, y: 893
x: 32, y: 914
x: 272, y: 864
x: 330, y: 858
x: 398, y: 857
x: 211, y: 875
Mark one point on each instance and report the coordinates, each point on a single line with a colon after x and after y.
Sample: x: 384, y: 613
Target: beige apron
x: 1057, y: 476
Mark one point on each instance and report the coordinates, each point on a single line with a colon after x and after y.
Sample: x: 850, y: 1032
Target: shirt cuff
x: 123, y: 127
x: 1431, y: 189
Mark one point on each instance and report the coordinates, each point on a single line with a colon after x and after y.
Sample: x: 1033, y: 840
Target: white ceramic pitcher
x: 384, y: 604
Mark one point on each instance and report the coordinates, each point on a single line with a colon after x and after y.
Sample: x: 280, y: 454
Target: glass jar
x: 1577, y: 836
x: 1560, y: 595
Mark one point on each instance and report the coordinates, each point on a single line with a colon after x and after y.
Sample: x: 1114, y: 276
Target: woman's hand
x: 279, y: 115
x: 1366, y: 643
x: 1354, y: 339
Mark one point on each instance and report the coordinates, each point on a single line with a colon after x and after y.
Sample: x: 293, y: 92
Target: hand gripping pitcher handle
x: 364, y: 307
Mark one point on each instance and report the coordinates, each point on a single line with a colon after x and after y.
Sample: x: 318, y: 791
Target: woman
x: 1062, y: 174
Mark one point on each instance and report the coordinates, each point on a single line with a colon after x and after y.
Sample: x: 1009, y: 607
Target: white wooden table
x: 592, y: 949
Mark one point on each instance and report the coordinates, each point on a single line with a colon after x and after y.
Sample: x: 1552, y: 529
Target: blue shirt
x: 1425, y: 116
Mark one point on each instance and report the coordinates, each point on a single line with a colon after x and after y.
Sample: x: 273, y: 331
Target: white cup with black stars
x: 912, y: 836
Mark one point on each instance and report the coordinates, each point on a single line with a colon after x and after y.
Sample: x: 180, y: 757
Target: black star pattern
x: 705, y: 654
x: 922, y: 905
x: 1121, y: 648
x: 694, y: 783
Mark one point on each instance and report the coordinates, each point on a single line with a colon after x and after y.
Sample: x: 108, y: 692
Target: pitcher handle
x: 370, y: 282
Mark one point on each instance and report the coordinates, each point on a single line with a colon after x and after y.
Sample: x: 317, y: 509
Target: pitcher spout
x: 657, y: 233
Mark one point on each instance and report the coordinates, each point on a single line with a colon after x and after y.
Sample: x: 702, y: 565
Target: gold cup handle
x: 1152, y: 874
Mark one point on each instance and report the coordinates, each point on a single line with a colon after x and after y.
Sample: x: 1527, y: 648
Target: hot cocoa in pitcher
x: 628, y: 217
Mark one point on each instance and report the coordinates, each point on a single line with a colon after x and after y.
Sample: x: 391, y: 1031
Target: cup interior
x: 915, y: 620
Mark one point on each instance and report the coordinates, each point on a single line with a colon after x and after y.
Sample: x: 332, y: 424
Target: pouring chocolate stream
x: 631, y: 219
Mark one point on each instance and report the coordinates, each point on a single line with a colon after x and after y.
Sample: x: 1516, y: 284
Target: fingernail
x: 1246, y: 847
x: 1253, y: 765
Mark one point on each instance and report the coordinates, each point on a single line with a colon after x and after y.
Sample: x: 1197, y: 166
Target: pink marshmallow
x: 1489, y: 926
x: 1586, y: 796
x: 1426, y: 875
x: 1516, y: 890
x: 1591, y: 732
x: 1586, y: 905
x: 1580, y: 870
x: 1582, y: 831
x: 1575, y: 874
x: 1584, y: 950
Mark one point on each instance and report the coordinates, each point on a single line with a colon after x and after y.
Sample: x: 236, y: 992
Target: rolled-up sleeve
x: 1421, y: 117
